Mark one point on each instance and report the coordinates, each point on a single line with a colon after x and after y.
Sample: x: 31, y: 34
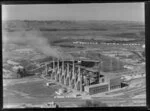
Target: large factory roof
x: 89, y: 69
x: 111, y: 75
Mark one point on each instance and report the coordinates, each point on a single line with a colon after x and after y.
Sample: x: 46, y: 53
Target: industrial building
x: 76, y: 75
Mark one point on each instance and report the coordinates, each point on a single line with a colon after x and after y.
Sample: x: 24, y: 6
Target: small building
x: 19, y: 70
x: 128, y: 67
x: 143, y: 46
x: 115, y: 83
x: 97, y: 88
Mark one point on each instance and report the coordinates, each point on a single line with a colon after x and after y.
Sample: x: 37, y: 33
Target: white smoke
x: 34, y: 39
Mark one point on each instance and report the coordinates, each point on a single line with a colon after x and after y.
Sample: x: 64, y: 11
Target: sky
x: 92, y: 11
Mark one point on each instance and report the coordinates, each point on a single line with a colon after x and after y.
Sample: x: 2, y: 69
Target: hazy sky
x: 92, y: 11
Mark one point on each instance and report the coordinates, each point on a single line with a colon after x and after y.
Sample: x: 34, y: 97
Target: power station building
x: 77, y: 75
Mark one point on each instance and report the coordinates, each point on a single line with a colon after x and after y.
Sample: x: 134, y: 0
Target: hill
x: 54, y: 30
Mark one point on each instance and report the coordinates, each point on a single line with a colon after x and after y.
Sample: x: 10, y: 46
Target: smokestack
x: 62, y: 67
x: 79, y: 75
x: 58, y: 64
x: 67, y: 69
x: 53, y: 65
x: 46, y: 69
x: 73, y: 69
x: 110, y: 64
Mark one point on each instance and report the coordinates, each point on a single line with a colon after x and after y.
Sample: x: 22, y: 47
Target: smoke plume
x: 35, y: 40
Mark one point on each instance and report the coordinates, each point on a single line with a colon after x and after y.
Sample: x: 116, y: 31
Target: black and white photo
x: 73, y: 55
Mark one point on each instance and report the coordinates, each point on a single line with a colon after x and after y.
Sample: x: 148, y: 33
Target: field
x: 31, y: 43
x: 101, y: 30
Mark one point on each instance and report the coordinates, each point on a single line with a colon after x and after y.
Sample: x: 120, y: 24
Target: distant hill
x: 72, y: 25
x: 56, y: 29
